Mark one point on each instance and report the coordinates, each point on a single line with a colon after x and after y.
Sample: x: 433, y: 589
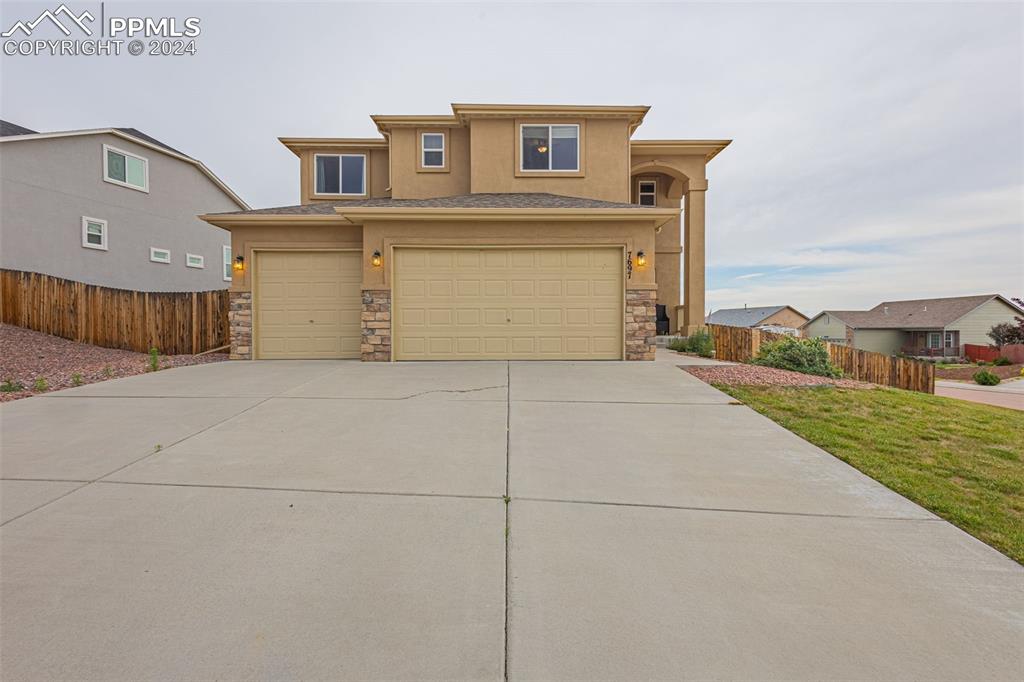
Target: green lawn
x: 963, y: 461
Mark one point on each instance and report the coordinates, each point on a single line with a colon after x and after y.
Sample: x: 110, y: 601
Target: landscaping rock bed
x: 27, y: 356
x: 753, y: 375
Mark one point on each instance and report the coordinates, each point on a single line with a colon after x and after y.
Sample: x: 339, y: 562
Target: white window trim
x: 190, y: 256
x: 424, y: 150
x: 85, y: 233
x: 928, y: 341
x: 640, y: 193
x: 112, y: 181
x: 551, y: 145
x: 153, y: 257
x: 228, y: 265
x: 341, y: 180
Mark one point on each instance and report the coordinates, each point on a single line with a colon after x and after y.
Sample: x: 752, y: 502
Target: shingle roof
x: 504, y: 200
x: 7, y: 129
x: 743, y: 317
x: 922, y: 313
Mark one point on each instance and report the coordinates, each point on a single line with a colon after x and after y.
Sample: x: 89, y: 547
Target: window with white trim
x: 934, y: 339
x: 647, y: 193
x: 549, y: 147
x: 432, y: 145
x: 340, y: 174
x: 158, y: 255
x: 949, y: 340
x: 194, y: 261
x: 227, y: 264
x: 94, y: 233
x: 125, y: 169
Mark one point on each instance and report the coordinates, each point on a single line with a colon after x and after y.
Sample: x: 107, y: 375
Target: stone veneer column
x: 240, y: 324
x: 641, y: 323
x: 376, y: 325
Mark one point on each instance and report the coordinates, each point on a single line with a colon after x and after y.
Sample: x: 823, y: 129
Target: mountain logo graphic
x: 28, y: 27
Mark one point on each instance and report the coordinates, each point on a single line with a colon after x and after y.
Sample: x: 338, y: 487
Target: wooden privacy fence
x: 173, y: 322
x: 741, y: 344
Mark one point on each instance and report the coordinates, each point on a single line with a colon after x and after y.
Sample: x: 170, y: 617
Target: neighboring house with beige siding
x: 777, y: 318
x: 934, y: 327
x: 112, y: 207
x: 494, y: 232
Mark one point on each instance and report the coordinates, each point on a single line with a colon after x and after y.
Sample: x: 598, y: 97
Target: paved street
x: 1007, y: 394
x: 339, y: 520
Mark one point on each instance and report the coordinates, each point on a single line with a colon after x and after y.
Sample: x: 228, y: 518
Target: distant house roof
x: 922, y: 313
x: 10, y: 132
x: 747, y: 317
x: 496, y: 200
x: 7, y: 128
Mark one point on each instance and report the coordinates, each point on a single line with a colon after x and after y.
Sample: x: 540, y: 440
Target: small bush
x: 154, y: 360
x: 678, y: 345
x: 40, y: 384
x: 809, y: 356
x: 700, y: 342
x: 1002, y: 361
x: 11, y: 386
x: 76, y: 379
x: 985, y: 378
x: 108, y: 371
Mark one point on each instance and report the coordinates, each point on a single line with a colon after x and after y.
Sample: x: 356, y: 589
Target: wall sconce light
x: 376, y: 260
x: 641, y: 259
x: 239, y: 264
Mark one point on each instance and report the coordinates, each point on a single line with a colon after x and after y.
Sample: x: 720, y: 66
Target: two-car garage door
x: 507, y: 303
x: 447, y: 303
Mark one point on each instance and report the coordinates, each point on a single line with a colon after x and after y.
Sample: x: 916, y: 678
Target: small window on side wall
x: 550, y: 147
x: 94, y: 233
x: 227, y: 263
x: 647, y: 193
x: 125, y: 169
x: 158, y: 255
x: 340, y: 174
x: 194, y: 261
x: 433, y: 150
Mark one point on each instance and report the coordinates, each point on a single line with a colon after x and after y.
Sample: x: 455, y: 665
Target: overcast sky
x: 878, y: 148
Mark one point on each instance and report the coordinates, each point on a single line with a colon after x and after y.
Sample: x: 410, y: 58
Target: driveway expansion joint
x: 324, y: 491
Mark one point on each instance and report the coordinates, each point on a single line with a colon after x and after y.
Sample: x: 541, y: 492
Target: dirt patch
x: 754, y: 375
x: 967, y: 373
x: 27, y: 356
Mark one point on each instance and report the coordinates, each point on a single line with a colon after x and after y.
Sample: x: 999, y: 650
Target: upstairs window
x: 646, y: 192
x: 340, y: 174
x: 94, y: 233
x: 193, y: 260
x: 433, y: 150
x: 227, y: 264
x: 125, y: 169
x: 550, y: 147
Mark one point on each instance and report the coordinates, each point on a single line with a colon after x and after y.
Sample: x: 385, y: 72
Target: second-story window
x: 125, y: 169
x: 646, y: 192
x: 340, y: 174
x: 550, y: 147
x: 433, y: 150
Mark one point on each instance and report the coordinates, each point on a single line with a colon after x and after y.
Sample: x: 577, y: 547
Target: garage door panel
x: 307, y: 304
x: 544, y: 303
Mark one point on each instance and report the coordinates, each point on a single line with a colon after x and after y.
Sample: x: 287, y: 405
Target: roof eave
x: 229, y: 220
x: 297, y: 145
x: 708, y: 148
x: 360, y: 214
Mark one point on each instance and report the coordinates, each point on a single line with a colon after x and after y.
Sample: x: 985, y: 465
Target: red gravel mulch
x: 754, y: 375
x: 967, y: 373
x: 26, y: 356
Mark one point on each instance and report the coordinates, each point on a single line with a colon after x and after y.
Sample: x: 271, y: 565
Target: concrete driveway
x: 338, y: 520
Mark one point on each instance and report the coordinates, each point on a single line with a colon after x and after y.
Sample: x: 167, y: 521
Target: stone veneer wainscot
x: 376, y: 325
x: 240, y: 324
x: 641, y: 323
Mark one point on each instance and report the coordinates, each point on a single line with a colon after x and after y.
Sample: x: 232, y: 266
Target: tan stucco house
x: 776, y: 318
x: 929, y: 327
x: 493, y: 232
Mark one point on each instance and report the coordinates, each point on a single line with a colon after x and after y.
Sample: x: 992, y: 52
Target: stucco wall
x: 376, y: 173
x: 826, y: 327
x: 49, y: 184
x: 974, y: 325
x: 886, y: 341
x: 408, y: 181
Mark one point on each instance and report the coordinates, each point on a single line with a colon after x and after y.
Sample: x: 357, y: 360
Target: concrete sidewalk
x: 338, y: 520
x: 1006, y: 394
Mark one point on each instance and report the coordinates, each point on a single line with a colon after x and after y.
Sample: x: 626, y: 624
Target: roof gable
x: 923, y: 313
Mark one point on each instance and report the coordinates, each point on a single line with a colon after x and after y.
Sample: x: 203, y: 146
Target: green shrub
x: 678, y: 345
x: 40, y: 384
x: 76, y: 379
x: 154, y: 360
x: 108, y: 371
x: 981, y: 363
x: 11, y: 386
x: 700, y: 342
x: 986, y: 378
x: 809, y: 356
x: 1002, y: 361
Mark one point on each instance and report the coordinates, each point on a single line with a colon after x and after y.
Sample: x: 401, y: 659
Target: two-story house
x: 495, y: 232
x: 112, y: 207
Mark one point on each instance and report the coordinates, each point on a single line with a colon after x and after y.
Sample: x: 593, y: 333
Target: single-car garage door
x: 508, y: 303
x: 307, y: 304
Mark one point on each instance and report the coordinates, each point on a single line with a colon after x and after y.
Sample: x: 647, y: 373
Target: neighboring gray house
x: 112, y: 207
x: 927, y: 327
x: 777, y: 318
